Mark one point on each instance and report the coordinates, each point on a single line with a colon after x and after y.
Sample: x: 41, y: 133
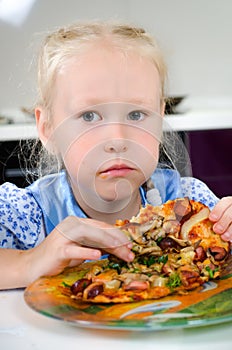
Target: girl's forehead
x: 102, y: 76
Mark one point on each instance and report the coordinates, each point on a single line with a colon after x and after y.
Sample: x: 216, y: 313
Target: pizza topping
x: 195, y: 219
x: 174, y: 281
x: 182, y: 208
x: 112, y: 285
x: 175, y: 250
x: 200, y: 254
x: 136, y: 285
x: 172, y: 227
x: 158, y: 281
x: 169, y: 243
x: 93, y: 290
x: 189, y: 277
x: 218, y: 253
x: 80, y: 285
x: 105, y: 276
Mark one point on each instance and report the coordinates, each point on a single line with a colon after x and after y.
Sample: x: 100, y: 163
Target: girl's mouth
x: 116, y: 170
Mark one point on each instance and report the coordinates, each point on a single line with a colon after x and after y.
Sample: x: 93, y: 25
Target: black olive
x: 96, y: 290
x: 80, y: 285
x: 168, y: 243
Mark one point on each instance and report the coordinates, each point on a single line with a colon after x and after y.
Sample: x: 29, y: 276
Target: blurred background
x: 195, y: 36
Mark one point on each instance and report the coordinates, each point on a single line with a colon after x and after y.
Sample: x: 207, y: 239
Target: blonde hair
x: 70, y: 41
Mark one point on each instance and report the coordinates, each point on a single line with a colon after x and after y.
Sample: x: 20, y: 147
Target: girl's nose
x: 116, y: 146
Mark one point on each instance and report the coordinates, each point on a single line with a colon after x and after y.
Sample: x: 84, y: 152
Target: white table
x: 22, y: 329
x: 189, y: 121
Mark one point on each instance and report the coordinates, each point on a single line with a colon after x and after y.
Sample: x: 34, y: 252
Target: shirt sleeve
x: 198, y: 191
x: 21, y: 222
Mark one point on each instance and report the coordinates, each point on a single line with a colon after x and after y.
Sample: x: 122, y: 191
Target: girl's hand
x: 73, y: 241
x: 221, y: 215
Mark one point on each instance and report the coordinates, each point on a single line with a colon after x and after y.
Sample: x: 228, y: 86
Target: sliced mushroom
x: 95, y: 270
x: 158, y: 281
x: 181, y: 242
x: 134, y: 231
x: 148, y: 250
x: 194, y: 220
x: 153, y: 235
x: 171, y: 226
x: 105, y: 276
x: 133, y: 276
x: 112, y: 285
x: 137, y: 248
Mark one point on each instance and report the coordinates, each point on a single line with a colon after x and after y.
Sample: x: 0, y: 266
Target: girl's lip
x: 116, y: 170
x: 117, y: 167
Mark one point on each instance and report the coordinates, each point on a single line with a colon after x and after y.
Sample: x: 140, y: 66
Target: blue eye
x: 90, y: 116
x: 136, y: 115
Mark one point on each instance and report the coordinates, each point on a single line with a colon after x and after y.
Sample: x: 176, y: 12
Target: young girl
x: 99, y: 113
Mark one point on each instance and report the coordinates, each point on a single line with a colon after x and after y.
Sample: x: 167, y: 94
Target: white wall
x: 195, y: 36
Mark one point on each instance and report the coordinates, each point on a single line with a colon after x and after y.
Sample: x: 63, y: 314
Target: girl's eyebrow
x: 89, y: 103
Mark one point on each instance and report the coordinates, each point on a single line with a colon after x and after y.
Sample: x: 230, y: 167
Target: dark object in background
x: 211, y: 157
x: 171, y: 104
x: 14, y: 156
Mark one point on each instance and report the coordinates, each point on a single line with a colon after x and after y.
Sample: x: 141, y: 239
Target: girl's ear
x: 44, y: 128
x: 162, y: 107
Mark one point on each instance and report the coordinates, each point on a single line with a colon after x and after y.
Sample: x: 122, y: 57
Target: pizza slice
x: 176, y: 250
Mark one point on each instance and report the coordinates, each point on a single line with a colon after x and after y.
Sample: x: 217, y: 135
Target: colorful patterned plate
x: 50, y: 296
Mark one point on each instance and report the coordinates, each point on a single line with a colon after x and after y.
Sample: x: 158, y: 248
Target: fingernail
x: 130, y: 256
x: 227, y: 236
x: 218, y: 228
x: 213, y: 217
x: 96, y: 253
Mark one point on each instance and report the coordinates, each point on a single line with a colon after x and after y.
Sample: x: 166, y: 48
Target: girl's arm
x: 13, y: 271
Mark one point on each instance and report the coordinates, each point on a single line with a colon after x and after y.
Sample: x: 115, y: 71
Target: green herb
x: 211, y: 271
x: 65, y: 284
x: 85, y: 285
x: 174, y: 281
x: 150, y: 260
x: 147, y: 260
x: 136, y: 270
x: 117, y: 266
x: 163, y: 259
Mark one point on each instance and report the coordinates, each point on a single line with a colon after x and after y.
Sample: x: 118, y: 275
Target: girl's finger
x: 92, y: 233
x: 219, y: 209
x: 74, y: 252
x: 122, y: 252
x: 227, y: 236
x: 224, y: 222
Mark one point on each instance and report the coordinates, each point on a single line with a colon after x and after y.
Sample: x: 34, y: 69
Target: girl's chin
x: 114, y: 198
x: 121, y: 192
